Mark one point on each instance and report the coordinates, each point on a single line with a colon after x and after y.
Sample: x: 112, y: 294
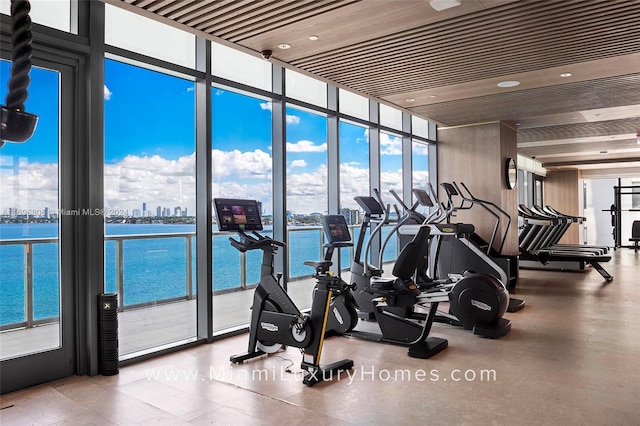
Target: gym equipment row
x: 540, y: 231
x: 403, y: 312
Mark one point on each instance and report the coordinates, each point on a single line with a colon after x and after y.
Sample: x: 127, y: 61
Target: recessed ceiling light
x: 433, y: 96
x: 581, y: 140
x: 566, y: 74
x: 508, y: 83
x: 439, y: 5
x: 411, y: 99
x: 284, y: 46
x: 313, y: 37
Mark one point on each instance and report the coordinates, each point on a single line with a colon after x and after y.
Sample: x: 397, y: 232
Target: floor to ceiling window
x: 149, y: 200
x: 390, y: 180
x: 306, y: 150
x: 420, y: 167
x: 149, y: 182
x: 30, y: 226
x: 38, y: 334
x: 354, y: 177
x: 241, y: 168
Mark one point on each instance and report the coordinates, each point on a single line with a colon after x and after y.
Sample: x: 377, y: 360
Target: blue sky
x: 42, y: 101
x: 150, y: 145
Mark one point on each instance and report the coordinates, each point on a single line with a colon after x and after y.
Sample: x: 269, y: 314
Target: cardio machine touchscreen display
x: 336, y: 229
x: 237, y: 215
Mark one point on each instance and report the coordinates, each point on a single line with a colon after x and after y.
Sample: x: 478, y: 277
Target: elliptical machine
x: 276, y: 322
x: 477, y: 301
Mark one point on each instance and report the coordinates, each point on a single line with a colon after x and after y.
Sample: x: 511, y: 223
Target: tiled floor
x: 572, y: 357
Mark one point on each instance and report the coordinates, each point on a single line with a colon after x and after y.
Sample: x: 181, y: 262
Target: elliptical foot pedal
x: 515, y: 305
x: 427, y: 348
x: 502, y: 328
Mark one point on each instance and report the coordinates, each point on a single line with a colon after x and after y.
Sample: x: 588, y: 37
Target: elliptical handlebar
x: 484, y: 204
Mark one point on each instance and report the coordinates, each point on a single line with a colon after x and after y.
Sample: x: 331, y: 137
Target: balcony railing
x: 243, y: 278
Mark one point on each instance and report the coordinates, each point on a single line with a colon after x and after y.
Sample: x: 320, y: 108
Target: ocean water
x: 154, y: 268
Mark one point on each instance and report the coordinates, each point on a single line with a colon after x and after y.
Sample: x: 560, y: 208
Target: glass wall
x: 148, y: 198
x: 390, y: 180
x: 149, y: 203
x: 419, y: 165
x: 354, y: 178
x: 306, y: 195
x: 55, y: 14
x: 30, y: 226
x: 241, y: 168
x: 354, y: 167
x: 136, y: 33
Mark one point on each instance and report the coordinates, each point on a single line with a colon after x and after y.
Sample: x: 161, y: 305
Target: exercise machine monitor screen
x: 237, y: 215
x: 336, y: 229
x: 369, y: 205
x: 423, y: 197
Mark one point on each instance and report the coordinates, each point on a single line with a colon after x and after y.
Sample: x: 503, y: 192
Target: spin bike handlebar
x: 248, y: 242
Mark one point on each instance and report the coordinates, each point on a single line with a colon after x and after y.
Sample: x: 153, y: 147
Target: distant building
x: 144, y: 209
x: 159, y: 211
x: 177, y: 211
x: 136, y: 213
x: 352, y: 216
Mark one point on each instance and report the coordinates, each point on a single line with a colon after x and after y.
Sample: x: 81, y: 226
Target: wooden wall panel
x: 476, y: 155
x: 562, y: 192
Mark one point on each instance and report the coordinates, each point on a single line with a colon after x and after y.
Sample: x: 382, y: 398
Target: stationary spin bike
x: 276, y: 322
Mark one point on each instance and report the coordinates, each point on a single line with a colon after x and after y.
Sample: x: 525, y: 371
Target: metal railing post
x: 189, y: 267
x: 28, y: 284
x: 120, y: 273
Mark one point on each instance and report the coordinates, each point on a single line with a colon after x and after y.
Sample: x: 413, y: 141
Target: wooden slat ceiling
x: 445, y: 65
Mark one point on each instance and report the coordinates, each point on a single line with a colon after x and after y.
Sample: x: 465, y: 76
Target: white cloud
x: 307, y: 192
x: 298, y: 163
x: 154, y: 180
x: 240, y: 165
x: 391, y: 179
x: 293, y: 119
x: 107, y: 93
x: 306, y: 146
x: 420, y: 149
x: 390, y: 145
x: 170, y: 183
x: 34, y: 186
x: 354, y: 181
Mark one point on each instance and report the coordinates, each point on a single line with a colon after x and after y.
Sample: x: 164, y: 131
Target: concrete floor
x: 572, y: 357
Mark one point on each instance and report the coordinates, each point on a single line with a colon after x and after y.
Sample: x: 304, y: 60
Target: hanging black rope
x: 16, y: 124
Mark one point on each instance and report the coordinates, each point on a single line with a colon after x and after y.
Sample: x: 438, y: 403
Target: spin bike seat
x: 320, y: 267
